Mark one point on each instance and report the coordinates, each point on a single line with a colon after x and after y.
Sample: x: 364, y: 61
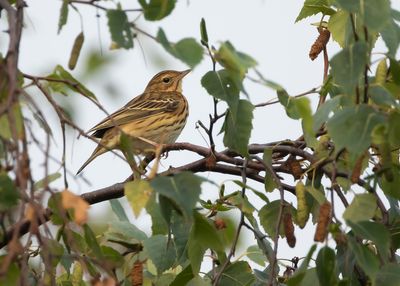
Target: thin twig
x: 218, y: 276
x: 272, y: 275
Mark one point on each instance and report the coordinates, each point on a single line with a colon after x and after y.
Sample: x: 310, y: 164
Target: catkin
x: 323, y: 222
x: 289, y: 229
x: 320, y: 43
x: 76, y: 50
x: 302, y: 207
x: 137, y: 273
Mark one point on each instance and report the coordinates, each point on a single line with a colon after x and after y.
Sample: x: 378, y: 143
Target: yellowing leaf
x: 138, y: 193
x: 77, y: 204
x: 30, y: 213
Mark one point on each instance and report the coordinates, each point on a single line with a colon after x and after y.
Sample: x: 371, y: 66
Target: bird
x: 157, y: 116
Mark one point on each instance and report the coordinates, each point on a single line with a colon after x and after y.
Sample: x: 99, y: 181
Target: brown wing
x: 142, y: 106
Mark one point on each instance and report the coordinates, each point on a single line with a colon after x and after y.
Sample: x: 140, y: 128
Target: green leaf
x: 60, y: 73
x: 317, y: 194
x: 221, y: 86
x: 351, y: 6
x: 269, y: 215
x: 348, y: 65
x: 375, y: 232
x: 365, y: 258
x: 310, y: 278
x: 137, y: 193
x: 206, y: 233
x: 118, y: 210
x: 120, y: 29
x: 91, y: 241
x: 326, y: 266
x: 63, y: 15
x: 195, y: 253
x: 255, y: 254
x: 313, y: 7
x: 376, y: 14
x: 187, y: 50
x: 160, y: 252
x: 203, y: 32
x: 324, y: 111
x: 339, y: 25
x: 182, y: 190
x: 124, y: 231
x: 54, y: 248
x: 180, y: 229
x: 112, y: 256
x: 394, y: 129
x: 47, y: 180
x: 388, y: 275
x: 363, y: 207
x: 237, y: 274
x: 381, y: 96
x: 183, y: 277
x: 290, y: 104
x: 199, y: 281
x: 242, y: 203
x: 157, y: 9
x: 297, y: 108
x: 234, y: 61
x: 12, y: 275
x: 391, y: 188
x: 158, y: 225
x: 8, y: 192
x: 269, y: 183
x: 5, y: 128
x: 351, y: 127
x: 162, y: 38
x: 303, y: 105
x: 391, y: 36
x: 259, y: 194
x: 54, y: 204
x: 300, y: 273
x: 238, y: 126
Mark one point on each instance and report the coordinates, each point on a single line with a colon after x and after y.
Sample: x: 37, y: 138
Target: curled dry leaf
x: 30, y: 213
x: 79, y: 205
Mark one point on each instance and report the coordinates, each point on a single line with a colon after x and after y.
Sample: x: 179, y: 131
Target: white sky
x: 263, y: 29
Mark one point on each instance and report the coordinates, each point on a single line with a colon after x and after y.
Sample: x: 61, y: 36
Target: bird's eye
x: 166, y: 79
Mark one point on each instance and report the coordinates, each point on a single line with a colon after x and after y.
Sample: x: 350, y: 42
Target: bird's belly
x: 145, y: 140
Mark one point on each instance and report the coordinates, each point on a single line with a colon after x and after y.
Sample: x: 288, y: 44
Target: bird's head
x: 168, y: 80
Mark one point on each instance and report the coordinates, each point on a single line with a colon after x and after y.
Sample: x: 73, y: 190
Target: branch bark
x: 198, y: 166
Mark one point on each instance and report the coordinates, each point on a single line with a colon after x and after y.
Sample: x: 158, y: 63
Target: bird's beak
x: 183, y: 73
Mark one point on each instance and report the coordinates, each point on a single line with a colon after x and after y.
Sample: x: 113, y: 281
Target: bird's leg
x: 154, y: 169
x: 146, y: 161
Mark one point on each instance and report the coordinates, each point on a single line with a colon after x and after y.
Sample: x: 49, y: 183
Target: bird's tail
x: 97, y: 152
